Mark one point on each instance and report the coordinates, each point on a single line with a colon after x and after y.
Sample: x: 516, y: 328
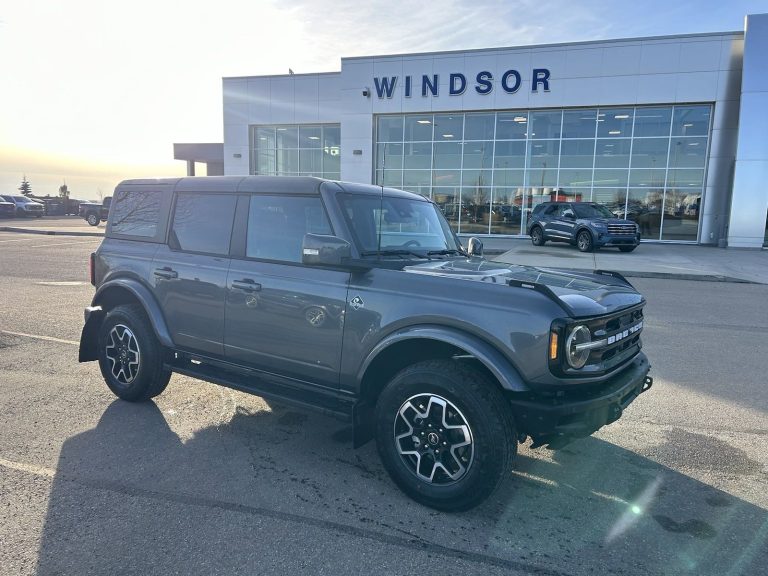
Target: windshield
x: 390, y: 224
x: 592, y: 211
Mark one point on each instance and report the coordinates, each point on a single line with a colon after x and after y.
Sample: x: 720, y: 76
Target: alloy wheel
x: 123, y: 353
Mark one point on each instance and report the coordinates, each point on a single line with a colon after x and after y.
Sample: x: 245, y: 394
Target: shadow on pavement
x: 129, y: 496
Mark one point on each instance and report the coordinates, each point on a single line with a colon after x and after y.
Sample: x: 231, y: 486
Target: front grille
x: 621, y: 229
x: 622, y: 332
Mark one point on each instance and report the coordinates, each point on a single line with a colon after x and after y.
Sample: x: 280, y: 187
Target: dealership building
x: 671, y: 132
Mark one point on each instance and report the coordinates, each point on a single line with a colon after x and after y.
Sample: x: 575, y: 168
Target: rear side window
x: 135, y: 212
x: 277, y: 225
x: 203, y: 223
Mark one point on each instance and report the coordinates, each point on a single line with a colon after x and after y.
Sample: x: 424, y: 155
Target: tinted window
x: 135, y: 212
x: 277, y: 225
x: 203, y: 223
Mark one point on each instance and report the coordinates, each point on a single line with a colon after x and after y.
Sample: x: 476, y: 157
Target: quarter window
x: 277, y: 225
x: 203, y: 223
x: 135, y: 212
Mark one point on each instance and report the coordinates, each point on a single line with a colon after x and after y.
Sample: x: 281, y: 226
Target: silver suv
x: 360, y: 302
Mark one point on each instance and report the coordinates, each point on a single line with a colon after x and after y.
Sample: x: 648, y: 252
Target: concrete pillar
x: 749, y: 201
x: 190, y: 167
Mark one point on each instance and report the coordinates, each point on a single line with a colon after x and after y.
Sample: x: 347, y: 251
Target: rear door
x: 190, y: 271
x: 281, y: 316
x: 559, y: 227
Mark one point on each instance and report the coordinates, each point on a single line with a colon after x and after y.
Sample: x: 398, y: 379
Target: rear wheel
x: 92, y: 219
x: 584, y: 241
x: 445, y: 434
x: 537, y: 236
x: 627, y: 248
x: 130, y: 356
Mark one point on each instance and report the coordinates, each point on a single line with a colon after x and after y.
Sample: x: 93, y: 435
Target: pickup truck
x: 95, y: 213
x: 359, y: 301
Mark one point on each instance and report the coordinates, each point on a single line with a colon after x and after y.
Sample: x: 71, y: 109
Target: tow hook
x: 647, y: 383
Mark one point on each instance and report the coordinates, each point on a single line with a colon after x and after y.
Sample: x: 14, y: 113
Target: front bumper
x: 559, y: 418
x: 604, y: 239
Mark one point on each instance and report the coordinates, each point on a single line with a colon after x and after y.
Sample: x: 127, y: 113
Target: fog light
x: 579, y: 335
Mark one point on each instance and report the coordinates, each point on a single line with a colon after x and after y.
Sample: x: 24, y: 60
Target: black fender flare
x: 94, y: 315
x: 502, y: 369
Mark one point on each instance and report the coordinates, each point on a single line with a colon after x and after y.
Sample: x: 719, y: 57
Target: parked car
x: 25, y: 206
x: 587, y: 225
x: 95, y: 212
x: 7, y: 209
x: 360, y: 302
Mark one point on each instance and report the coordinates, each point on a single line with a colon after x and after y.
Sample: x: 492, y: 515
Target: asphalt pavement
x: 206, y: 480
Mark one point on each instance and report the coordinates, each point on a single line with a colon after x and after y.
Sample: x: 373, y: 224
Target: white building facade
x: 671, y: 132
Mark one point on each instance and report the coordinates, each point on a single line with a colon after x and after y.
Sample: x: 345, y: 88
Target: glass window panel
x: 418, y: 128
x: 644, y: 207
x: 331, y: 136
x: 545, y: 124
x: 505, y: 215
x: 479, y: 126
x: 265, y: 162
x: 478, y: 154
x: 543, y: 154
x: 685, y: 178
x: 508, y: 177
x: 449, y: 127
x: 611, y: 198
x: 265, y: 137
x: 647, y: 177
x: 287, y: 136
x: 511, y: 125
x: 577, y: 153
x: 277, y: 225
x: 652, y: 121
x: 332, y: 161
x: 688, y: 153
x: 287, y: 161
x: 571, y: 177
x: 135, y: 212
x: 389, y: 178
x: 332, y: 175
x: 416, y: 177
x: 612, y: 153
x: 447, y: 155
x: 614, y: 122
x: 447, y: 199
x: 309, y: 136
x: 203, y: 223
x: 389, y: 156
x: 446, y: 177
x: 310, y: 161
x: 509, y: 154
x: 571, y: 194
x: 545, y: 177
x: 650, y: 152
x: 579, y: 123
x: 691, y: 120
x: 681, y: 215
x: 417, y: 155
x: 390, y: 129
x: 611, y: 177
x: 476, y: 208
x: 422, y: 190
x: 476, y: 178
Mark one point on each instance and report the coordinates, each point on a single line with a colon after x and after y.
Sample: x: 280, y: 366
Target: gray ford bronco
x: 360, y: 302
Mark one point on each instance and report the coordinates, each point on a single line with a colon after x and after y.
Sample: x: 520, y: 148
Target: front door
x: 283, y: 317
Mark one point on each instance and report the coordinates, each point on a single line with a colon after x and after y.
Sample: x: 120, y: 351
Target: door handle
x: 166, y: 273
x: 246, y: 285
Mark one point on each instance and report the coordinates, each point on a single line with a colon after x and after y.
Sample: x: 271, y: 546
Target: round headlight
x: 579, y: 335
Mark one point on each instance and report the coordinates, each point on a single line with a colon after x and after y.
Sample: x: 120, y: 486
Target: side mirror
x: 474, y: 247
x: 321, y: 250
x: 569, y: 216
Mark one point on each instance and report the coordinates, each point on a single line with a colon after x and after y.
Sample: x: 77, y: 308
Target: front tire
x: 445, y: 434
x: 584, y: 241
x: 130, y: 356
x: 537, y: 236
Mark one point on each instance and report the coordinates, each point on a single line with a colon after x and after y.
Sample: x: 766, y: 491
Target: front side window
x: 381, y: 223
x: 135, y: 212
x: 277, y: 225
x: 203, y: 223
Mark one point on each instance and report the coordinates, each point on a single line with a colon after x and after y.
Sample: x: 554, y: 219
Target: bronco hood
x: 580, y: 293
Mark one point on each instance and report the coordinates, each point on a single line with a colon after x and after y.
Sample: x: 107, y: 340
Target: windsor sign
x: 429, y: 84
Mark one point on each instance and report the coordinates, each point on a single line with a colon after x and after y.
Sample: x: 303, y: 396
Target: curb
x: 49, y: 232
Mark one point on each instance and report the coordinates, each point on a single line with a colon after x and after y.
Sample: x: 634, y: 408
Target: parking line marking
x: 17, y: 239
x: 29, y: 468
x: 38, y: 337
x: 60, y: 244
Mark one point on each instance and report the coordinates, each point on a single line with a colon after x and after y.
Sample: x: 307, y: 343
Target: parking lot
x: 206, y: 480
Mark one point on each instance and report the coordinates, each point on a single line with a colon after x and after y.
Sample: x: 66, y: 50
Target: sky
x: 93, y: 92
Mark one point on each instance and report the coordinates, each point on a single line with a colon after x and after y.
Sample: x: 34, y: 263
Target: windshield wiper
x: 396, y: 253
x: 444, y: 252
